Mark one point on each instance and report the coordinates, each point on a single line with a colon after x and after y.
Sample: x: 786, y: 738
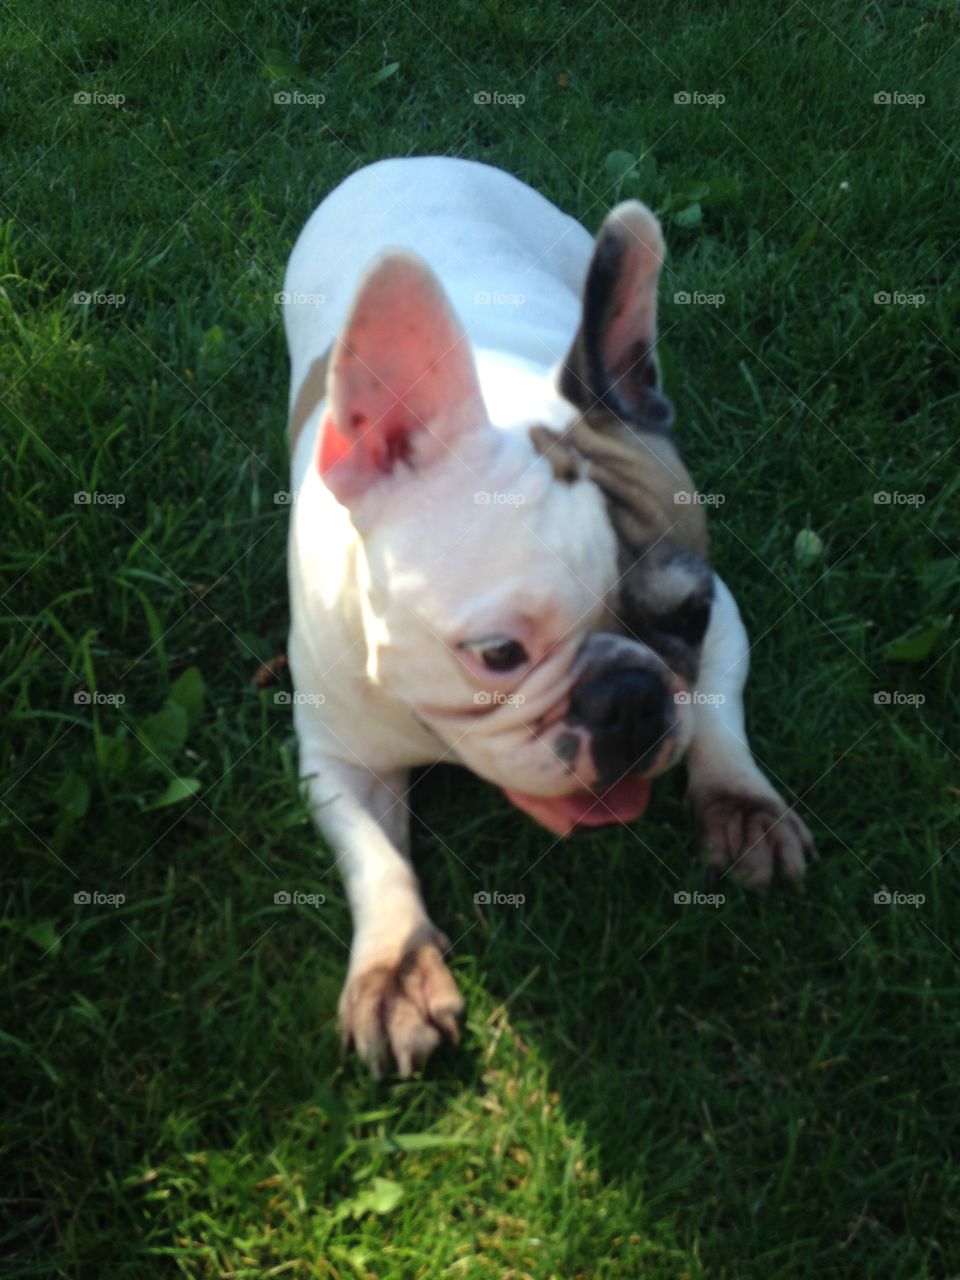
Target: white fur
x: 481, y: 230
x: 558, y: 537
x: 719, y: 754
x: 375, y: 615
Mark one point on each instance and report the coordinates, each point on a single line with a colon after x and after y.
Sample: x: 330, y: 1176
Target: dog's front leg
x: 743, y: 823
x: 400, y: 999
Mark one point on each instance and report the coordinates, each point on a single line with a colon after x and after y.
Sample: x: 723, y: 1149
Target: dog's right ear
x: 402, y: 386
x: 612, y: 363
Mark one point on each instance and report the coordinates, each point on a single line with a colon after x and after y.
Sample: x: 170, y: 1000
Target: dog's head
x: 538, y: 595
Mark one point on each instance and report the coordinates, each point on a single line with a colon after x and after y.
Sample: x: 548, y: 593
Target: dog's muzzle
x: 627, y: 715
x: 618, y: 731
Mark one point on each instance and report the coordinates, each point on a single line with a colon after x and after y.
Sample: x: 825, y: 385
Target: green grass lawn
x: 646, y: 1089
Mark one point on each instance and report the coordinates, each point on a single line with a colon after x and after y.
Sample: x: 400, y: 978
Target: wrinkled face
x: 536, y: 597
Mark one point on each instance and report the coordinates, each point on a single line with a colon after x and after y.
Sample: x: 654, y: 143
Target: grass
x: 645, y: 1089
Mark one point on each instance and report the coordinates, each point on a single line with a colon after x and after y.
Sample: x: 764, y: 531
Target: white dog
x: 496, y: 555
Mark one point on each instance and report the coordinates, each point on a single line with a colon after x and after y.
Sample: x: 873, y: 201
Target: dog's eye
x: 689, y: 622
x: 498, y: 653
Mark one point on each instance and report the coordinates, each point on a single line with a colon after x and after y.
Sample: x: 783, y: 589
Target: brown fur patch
x: 550, y: 445
x: 639, y: 472
x: 312, y: 391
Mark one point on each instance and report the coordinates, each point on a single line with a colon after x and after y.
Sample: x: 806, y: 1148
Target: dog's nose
x: 625, y: 713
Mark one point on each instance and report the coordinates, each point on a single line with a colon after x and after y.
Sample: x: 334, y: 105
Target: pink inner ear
x: 333, y: 446
x: 374, y: 449
x: 635, y: 316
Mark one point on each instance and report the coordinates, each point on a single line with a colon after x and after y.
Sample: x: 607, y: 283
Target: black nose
x: 626, y: 713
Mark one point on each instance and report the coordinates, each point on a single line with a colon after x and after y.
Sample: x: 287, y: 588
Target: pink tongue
x: 623, y: 802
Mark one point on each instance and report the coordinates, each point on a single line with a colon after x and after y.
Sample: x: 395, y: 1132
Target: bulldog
x: 496, y: 555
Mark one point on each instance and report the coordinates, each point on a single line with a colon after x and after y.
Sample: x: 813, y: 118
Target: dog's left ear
x: 612, y: 363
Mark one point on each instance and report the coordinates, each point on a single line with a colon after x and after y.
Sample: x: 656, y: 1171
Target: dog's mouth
x: 623, y: 801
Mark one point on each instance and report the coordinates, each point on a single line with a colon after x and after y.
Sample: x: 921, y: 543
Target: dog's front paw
x: 754, y: 836
x: 401, y: 1008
